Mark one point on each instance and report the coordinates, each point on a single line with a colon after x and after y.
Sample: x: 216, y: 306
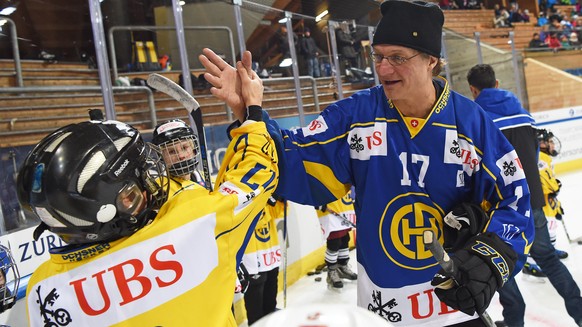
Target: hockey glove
x: 481, y: 267
x: 463, y: 222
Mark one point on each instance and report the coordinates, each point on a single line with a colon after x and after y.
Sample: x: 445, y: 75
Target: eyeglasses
x: 393, y: 60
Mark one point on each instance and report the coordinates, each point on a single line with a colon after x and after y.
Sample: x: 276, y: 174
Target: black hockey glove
x: 481, y: 267
x: 463, y: 222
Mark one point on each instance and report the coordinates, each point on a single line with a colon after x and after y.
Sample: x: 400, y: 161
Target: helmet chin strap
x: 39, y: 230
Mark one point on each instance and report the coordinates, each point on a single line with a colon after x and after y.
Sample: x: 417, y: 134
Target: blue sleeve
x: 502, y: 187
x: 314, y: 160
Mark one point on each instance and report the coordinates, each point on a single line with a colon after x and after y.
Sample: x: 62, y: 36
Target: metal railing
x: 313, y: 87
x: 15, y: 50
x: 116, y: 89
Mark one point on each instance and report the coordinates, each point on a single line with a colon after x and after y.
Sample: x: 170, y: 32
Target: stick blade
x: 171, y: 88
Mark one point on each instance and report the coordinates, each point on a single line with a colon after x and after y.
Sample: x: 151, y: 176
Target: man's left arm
x: 501, y: 198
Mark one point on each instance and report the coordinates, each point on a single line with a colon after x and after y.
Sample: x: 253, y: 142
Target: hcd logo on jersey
x: 410, y: 215
x: 370, y: 141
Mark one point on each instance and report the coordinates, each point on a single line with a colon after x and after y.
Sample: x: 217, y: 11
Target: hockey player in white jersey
x: 133, y: 258
x: 414, y: 150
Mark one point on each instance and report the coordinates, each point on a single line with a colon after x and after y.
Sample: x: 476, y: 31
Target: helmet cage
x: 181, y: 155
x: 179, y: 146
x: 549, y: 143
x: 9, y: 279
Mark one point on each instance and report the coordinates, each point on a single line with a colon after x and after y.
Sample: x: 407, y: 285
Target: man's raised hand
x: 225, y: 80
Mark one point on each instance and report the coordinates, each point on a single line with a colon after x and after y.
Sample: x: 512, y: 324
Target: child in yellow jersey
x: 262, y: 259
x: 180, y: 149
x: 336, y: 219
x: 133, y: 258
x: 550, y: 147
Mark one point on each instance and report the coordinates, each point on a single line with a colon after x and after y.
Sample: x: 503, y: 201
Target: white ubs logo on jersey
x: 132, y: 280
x: 459, y: 151
x: 368, y: 141
x: 316, y: 126
x: 511, y: 168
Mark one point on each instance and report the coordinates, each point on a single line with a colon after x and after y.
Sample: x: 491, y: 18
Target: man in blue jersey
x: 414, y: 150
x: 518, y: 126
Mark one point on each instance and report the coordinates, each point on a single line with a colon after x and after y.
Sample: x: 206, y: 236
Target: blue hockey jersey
x: 406, y: 180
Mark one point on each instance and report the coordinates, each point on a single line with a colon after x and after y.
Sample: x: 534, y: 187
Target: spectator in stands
x: 496, y: 10
x: 285, y: 49
x: 284, y: 42
x: 555, y: 14
x: 565, y: 42
x: 574, y: 41
x: 460, y: 4
x: 553, y: 42
x: 566, y: 25
x: 475, y: 4
x: 555, y: 27
x: 445, y: 4
x: 346, y: 42
x: 525, y: 15
x: 514, y: 15
x: 542, y: 19
x: 310, y: 52
x: 502, y: 20
x: 536, y: 42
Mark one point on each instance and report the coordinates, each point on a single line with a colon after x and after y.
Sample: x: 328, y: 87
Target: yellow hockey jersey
x: 550, y: 185
x: 263, y: 252
x: 330, y: 222
x: 177, y: 271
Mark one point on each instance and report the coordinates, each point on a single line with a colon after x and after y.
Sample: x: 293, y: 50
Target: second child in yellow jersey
x: 550, y: 147
x: 180, y: 149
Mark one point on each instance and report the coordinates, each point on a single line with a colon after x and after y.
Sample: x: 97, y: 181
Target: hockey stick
x: 171, y: 88
x: 448, y: 265
x: 568, y: 235
x: 341, y: 216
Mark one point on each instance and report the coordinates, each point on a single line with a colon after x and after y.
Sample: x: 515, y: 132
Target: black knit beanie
x: 412, y: 24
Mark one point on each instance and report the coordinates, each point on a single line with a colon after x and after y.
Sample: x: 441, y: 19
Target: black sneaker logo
x: 379, y: 308
x: 52, y: 318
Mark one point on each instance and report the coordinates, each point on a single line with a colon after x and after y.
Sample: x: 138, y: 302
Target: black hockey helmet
x: 548, y: 142
x: 94, y: 181
x: 179, y: 146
